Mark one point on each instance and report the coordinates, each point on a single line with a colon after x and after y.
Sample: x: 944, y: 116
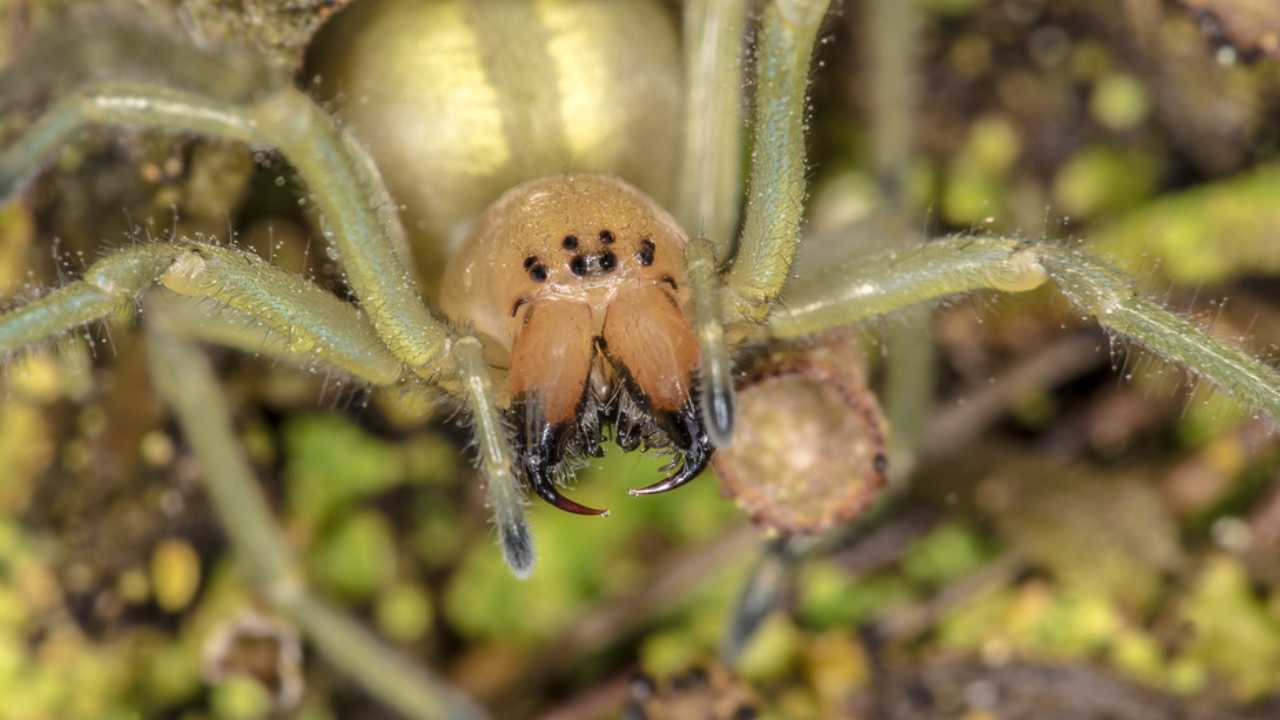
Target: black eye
x: 608, y: 261
x: 647, y: 250
x: 529, y: 261
x: 538, y: 273
x: 570, y: 242
x: 606, y: 237
x: 578, y: 265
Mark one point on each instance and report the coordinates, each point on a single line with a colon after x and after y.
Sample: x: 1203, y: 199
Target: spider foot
x: 688, y: 433
x: 541, y: 450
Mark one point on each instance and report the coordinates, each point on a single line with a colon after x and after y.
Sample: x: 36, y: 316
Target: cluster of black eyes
x: 583, y: 264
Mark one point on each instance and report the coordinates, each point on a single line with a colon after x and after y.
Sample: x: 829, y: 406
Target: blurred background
x: 1073, y: 529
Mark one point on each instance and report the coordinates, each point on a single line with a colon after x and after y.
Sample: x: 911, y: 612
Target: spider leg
x: 496, y: 459
x: 355, y: 211
x: 689, y: 438
x: 715, y: 367
x: 776, y: 187
x: 885, y: 283
x: 711, y: 164
x: 708, y: 191
x: 307, y: 324
x: 184, y: 378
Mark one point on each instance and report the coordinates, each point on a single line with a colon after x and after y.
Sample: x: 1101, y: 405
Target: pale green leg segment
x: 310, y: 322
x: 109, y: 284
x: 354, y: 206
x: 503, y: 489
x: 889, y: 282
x: 776, y: 188
x: 911, y: 356
x: 715, y: 386
x: 1110, y: 297
x: 185, y: 380
x: 708, y: 195
x: 711, y: 164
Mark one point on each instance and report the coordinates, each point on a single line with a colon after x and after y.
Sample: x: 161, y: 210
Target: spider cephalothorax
x: 577, y: 284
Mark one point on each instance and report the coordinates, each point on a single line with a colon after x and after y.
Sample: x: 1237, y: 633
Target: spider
x: 574, y: 308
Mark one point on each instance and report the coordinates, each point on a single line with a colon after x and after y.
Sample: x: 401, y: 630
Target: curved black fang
x: 542, y: 450
x: 689, y: 438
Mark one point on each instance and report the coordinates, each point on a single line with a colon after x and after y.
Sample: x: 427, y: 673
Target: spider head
x: 581, y: 279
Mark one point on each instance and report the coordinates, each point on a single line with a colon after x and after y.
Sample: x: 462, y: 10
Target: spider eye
x: 529, y: 261
x: 570, y: 242
x: 608, y: 261
x: 538, y: 273
x: 606, y: 237
x: 578, y: 265
x: 647, y: 250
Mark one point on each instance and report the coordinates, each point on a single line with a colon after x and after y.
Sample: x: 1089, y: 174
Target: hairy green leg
x: 309, y: 321
x: 709, y: 179
x: 109, y: 284
x: 889, y: 282
x: 185, y: 380
x: 776, y: 187
x: 200, y: 320
x: 1110, y: 297
x: 502, y: 489
x: 711, y: 164
x: 354, y: 207
x: 715, y: 367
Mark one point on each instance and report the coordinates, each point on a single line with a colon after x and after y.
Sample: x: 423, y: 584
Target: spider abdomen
x: 461, y: 100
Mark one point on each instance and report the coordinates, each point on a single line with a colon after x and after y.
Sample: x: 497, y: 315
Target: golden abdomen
x: 459, y: 101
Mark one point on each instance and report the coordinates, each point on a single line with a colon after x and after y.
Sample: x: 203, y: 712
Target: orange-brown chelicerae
x: 577, y: 284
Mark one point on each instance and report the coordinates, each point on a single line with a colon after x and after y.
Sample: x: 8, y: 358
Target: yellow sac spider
x: 574, y: 305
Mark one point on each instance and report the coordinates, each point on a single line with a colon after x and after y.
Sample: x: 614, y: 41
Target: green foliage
x: 582, y: 560
x: 1232, y: 631
x: 332, y: 463
x: 357, y: 558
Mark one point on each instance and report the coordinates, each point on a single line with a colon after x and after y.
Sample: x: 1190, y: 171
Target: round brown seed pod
x: 809, y: 450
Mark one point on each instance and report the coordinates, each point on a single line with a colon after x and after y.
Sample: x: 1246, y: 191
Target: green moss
x: 331, y: 463
x: 772, y: 652
x: 358, y: 557
x: 1101, y: 179
x: 1232, y: 632
x: 665, y: 653
x: 240, y: 698
x: 403, y: 612
x: 832, y: 597
x: 1208, y: 234
x: 583, y: 559
x: 1119, y: 102
x: 947, y: 553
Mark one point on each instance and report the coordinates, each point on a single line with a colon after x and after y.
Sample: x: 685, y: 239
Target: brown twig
x: 973, y: 411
